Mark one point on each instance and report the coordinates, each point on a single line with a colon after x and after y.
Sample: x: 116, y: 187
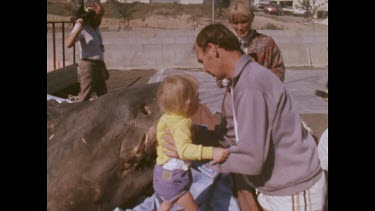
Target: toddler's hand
x: 219, y: 154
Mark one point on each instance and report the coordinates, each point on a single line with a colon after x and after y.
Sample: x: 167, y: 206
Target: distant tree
x: 221, y: 5
x: 307, y: 7
x: 312, y: 9
x: 322, y: 9
x: 125, y: 11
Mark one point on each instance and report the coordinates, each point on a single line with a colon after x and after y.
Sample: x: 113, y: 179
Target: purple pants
x: 171, y: 184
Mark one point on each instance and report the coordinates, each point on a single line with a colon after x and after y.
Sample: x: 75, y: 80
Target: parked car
x: 261, y: 4
x: 288, y: 10
x: 273, y: 9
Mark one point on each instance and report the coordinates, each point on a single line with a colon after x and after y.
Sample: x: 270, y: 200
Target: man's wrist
x: 77, y: 27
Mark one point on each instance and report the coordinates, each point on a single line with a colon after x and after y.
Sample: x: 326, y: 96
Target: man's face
x: 211, y: 64
x: 241, y: 26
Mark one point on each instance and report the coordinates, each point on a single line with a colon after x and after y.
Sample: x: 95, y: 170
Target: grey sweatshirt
x: 274, y: 152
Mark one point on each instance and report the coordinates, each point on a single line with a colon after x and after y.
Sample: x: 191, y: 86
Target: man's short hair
x: 220, y: 35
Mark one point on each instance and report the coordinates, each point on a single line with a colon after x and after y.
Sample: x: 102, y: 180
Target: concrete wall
x: 161, y: 1
x: 189, y: 1
x: 131, y: 1
x: 178, y: 1
x: 301, y: 48
x: 128, y: 1
x: 157, y: 49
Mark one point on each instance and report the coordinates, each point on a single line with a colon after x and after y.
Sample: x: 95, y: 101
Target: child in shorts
x: 178, y: 98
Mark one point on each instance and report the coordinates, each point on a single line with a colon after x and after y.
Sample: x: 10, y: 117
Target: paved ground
x: 301, y: 83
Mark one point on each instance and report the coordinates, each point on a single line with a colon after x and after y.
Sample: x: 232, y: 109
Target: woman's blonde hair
x: 239, y: 8
x: 176, y: 92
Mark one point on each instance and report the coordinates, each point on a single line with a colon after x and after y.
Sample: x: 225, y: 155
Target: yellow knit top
x: 181, y: 129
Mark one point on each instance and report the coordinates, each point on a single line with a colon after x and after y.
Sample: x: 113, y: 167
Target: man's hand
x: 79, y: 21
x: 169, y: 145
x: 219, y: 154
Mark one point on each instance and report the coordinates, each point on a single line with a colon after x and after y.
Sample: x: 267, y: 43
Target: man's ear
x: 213, y: 48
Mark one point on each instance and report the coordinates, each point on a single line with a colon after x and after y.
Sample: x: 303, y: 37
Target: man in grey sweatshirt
x: 270, y: 150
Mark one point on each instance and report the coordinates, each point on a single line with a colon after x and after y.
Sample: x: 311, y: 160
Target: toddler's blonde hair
x: 176, y: 92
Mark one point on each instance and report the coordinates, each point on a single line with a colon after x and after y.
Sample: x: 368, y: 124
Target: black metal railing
x: 54, y: 23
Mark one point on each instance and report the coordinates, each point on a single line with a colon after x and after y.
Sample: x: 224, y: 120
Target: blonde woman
x: 260, y: 47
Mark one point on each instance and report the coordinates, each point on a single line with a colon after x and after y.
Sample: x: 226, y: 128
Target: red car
x: 273, y: 9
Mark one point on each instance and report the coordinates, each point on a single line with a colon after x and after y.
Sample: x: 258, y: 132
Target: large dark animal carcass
x: 101, y: 153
